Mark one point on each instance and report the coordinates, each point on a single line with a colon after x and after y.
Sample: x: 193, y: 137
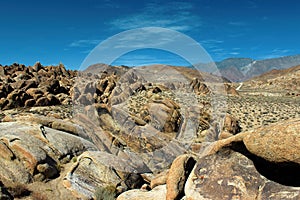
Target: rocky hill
x: 278, y: 82
x: 154, y: 132
x: 36, y: 85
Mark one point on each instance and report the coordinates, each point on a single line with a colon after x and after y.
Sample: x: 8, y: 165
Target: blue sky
x: 66, y: 31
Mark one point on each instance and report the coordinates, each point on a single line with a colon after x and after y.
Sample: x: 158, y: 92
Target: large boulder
x: 164, y: 115
x: 199, y: 87
x: 158, y: 193
x: 30, y: 152
x: 100, y: 169
x: 279, y: 142
x: 177, y: 176
x: 231, y: 175
x: 231, y: 124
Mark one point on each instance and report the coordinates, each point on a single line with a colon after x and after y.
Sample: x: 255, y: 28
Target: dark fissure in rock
x: 285, y: 173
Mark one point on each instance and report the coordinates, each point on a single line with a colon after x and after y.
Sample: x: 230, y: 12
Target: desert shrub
x: 74, y: 159
x: 105, y: 193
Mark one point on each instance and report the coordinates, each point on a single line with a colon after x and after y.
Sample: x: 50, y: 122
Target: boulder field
x: 125, y: 134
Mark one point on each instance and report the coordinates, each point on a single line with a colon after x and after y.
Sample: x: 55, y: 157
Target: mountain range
x: 241, y: 69
x: 231, y: 69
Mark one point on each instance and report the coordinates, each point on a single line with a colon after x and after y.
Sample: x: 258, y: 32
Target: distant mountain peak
x: 241, y: 69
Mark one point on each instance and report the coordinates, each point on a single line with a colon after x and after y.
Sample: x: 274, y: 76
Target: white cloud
x: 217, y: 50
x: 212, y: 41
x: 212, y: 44
x: 280, y: 51
x: 145, y: 38
x: 84, y: 43
x: 234, y: 53
x: 175, y: 15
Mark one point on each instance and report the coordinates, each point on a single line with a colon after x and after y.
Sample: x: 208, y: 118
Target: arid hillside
x: 153, y: 132
x: 281, y: 82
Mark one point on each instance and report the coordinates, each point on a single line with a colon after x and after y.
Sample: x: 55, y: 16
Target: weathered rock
x: 279, y: 142
x: 85, y: 99
x: 177, y: 176
x: 231, y: 124
x: 52, y: 100
x: 164, y: 115
x: 66, y: 126
x: 231, y: 175
x: 53, y: 86
x: 47, y: 170
x: 4, y: 194
x: 42, y: 101
x: 63, y: 70
x: 158, y: 193
x: 37, y: 82
x: 97, y: 169
x: 231, y: 90
x: 156, y: 90
x: 2, y: 71
x: 134, y: 181
x: 29, y: 103
x: 35, y: 92
x: 62, y: 97
x: 5, y: 90
x: 37, y: 66
x: 28, y: 151
x: 159, y: 179
x: 199, y: 87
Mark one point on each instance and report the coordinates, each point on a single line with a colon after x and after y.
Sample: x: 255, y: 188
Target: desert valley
x: 152, y: 132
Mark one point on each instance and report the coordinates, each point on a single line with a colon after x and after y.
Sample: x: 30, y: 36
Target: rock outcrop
x: 231, y: 175
x: 22, y: 86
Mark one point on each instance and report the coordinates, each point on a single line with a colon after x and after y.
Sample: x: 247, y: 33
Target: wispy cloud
x: 84, y: 43
x: 211, y: 43
x: 280, y: 51
x: 141, y: 60
x: 175, y: 15
x: 219, y: 54
x: 234, y: 53
x: 237, y: 23
x: 277, y: 52
x: 107, y: 4
x: 252, y: 4
x: 145, y: 38
x: 217, y: 50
